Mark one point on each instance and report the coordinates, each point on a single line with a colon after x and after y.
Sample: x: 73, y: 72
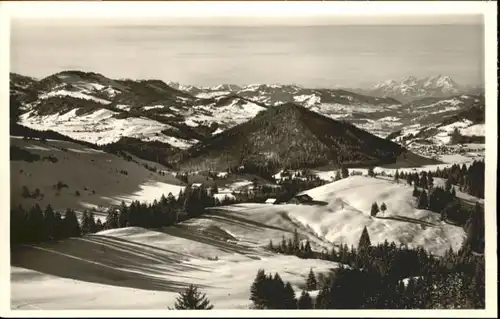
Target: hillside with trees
x: 291, y: 136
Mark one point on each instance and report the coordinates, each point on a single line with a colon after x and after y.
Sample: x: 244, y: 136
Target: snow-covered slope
x: 96, y: 175
x: 220, y: 252
x: 102, y: 127
x: 143, y: 269
x: 198, y: 112
x: 348, y: 212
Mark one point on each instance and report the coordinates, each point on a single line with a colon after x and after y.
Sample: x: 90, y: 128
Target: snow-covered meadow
x: 220, y: 251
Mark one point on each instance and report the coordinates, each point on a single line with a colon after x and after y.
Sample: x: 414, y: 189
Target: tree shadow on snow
x: 408, y: 220
x: 106, y: 261
x: 191, y: 233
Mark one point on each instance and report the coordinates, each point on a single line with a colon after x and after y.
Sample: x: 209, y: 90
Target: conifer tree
x: 112, y: 220
x: 364, y: 240
x: 99, y: 226
x: 92, y: 223
x: 422, y: 200
x: 289, y: 300
x: 296, y: 241
x: 86, y: 223
x: 258, y: 290
x: 416, y: 192
x: 36, y: 223
x: 308, y: 253
x: 305, y: 301
x: 374, y: 210
x: 124, y: 214
x: 191, y: 298
x: 322, y: 301
x: 338, y: 177
x: 396, y: 176
x: 71, y: 225
x: 311, y: 282
x: 49, y: 216
x: 383, y: 207
x: 58, y: 226
x: 344, y: 172
x: 371, y: 173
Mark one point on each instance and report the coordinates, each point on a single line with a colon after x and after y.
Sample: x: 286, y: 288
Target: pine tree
x: 337, y: 176
x: 124, y: 214
x: 58, y: 226
x: 191, y: 298
x: 71, y: 225
x: 344, y: 172
x: 374, y: 210
x: 322, y: 300
x: 383, y: 207
x: 422, y: 200
x: 112, y: 220
x: 364, y: 240
x: 396, y: 176
x: 416, y: 192
x: 296, y: 241
x: 92, y: 223
x: 274, y: 292
x: 371, y: 173
x: 308, y: 253
x: 289, y: 300
x: 311, y: 282
x: 50, y: 217
x: 99, y: 225
x: 305, y: 301
x: 258, y: 290
x: 86, y: 223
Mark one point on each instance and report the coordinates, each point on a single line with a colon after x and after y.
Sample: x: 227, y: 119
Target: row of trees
x: 36, y: 225
x: 385, y: 277
x: 293, y: 246
x: 375, y: 209
x: 469, y: 179
x: 454, y: 281
x: 444, y: 202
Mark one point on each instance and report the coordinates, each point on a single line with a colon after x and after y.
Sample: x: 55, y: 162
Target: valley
x: 227, y: 168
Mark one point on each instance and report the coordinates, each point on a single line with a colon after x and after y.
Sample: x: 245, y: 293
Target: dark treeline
x: 385, y: 276
x: 35, y: 225
x: 293, y: 246
x: 444, y: 201
x: 470, y: 179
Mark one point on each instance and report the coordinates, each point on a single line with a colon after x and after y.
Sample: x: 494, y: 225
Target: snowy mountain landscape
x: 89, y: 108
x: 152, y: 193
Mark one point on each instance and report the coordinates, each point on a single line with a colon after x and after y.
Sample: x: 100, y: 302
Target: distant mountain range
x: 412, y: 88
x: 91, y: 107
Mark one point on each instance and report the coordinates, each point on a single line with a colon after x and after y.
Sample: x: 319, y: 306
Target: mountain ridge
x: 292, y: 136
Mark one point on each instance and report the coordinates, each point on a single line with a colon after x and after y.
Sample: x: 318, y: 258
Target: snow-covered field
x: 148, y: 193
x: 448, y: 161
x: 230, y: 114
x: 220, y: 252
x: 133, y: 268
x: 101, y: 127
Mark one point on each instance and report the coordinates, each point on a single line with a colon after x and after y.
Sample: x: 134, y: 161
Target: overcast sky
x: 320, y: 53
